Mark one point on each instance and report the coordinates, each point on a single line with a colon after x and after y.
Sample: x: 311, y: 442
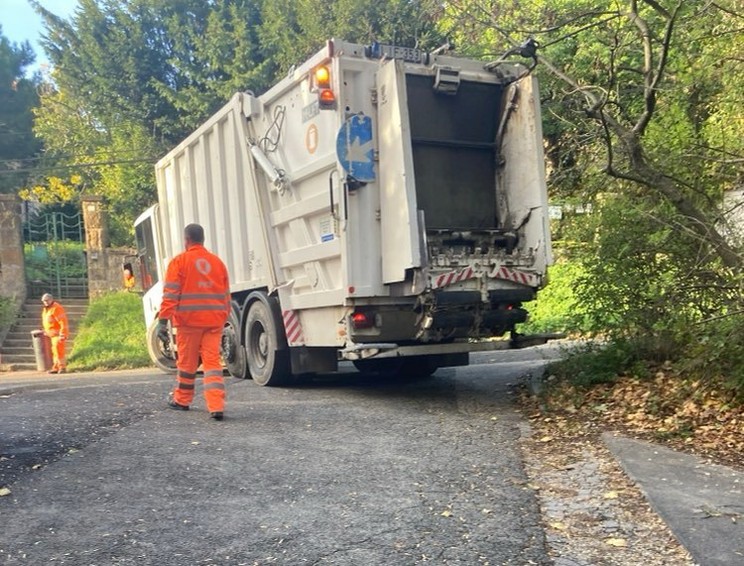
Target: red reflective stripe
x: 293, y: 328
x: 200, y: 307
x: 452, y: 277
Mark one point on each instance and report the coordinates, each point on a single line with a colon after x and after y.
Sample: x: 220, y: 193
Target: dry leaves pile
x: 687, y: 415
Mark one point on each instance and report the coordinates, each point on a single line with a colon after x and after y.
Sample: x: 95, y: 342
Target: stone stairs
x: 17, y: 350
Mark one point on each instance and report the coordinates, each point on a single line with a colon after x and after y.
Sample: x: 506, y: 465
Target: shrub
x: 557, y: 308
x: 7, y: 314
x: 594, y: 362
x: 715, y: 352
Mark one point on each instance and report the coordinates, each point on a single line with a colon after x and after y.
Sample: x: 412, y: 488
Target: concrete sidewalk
x: 702, y: 503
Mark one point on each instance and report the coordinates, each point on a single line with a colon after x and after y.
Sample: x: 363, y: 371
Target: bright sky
x: 21, y: 23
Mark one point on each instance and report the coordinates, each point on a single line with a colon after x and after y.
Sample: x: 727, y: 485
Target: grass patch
x: 111, y: 335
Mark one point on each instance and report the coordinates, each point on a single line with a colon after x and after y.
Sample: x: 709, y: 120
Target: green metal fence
x: 54, y: 248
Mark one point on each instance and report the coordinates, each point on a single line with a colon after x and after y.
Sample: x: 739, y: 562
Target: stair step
x: 18, y: 360
x: 30, y: 313
x: 17, y: 352
x: 37, y: 313
x: 17, y: 366
x: 31, y: 324
x: 12, y: 342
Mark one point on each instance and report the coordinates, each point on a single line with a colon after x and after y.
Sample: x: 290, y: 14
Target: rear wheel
x: 265, y: 344
x: 161, y: 353
x: 232, y: 352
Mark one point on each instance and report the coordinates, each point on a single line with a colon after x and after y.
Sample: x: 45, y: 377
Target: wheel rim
x: 161, y: 353
x: 263, y: 345
x: 260, y: 344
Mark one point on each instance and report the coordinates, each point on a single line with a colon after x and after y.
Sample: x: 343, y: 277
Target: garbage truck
x: 380, y: 205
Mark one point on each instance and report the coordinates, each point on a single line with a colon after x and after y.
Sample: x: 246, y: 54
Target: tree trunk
x: 645, y: 173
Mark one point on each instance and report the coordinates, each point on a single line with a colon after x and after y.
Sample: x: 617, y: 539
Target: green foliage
x: 130, y: 80
x: 593, y: 363
x: 557, y: 308
x: 714, y: 351
x: 112, y: 335
x: 292, y: 30
x: 210, y: 57
x: 65, y: 257
x: 643, y: 270
x: 8, y: 313
x: 17, y: 97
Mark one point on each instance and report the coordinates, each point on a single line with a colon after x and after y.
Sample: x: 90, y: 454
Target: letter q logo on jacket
x: 203, y: 266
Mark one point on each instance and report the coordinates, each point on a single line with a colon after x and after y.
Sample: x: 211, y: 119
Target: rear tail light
x: 362, y: 320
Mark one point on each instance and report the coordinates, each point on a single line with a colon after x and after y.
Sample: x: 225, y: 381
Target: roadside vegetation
x: 111, y: 336
x: 7, y: 314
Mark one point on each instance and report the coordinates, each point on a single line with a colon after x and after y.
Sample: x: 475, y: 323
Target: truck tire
x: 231, y: 350
x: 415, y: 367
x: 265, y: 344
x: 161, y: 354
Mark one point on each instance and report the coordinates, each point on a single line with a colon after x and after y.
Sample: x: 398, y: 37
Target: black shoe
x: 178, y: 406
x: 217, y: 415
x: 53, y: 371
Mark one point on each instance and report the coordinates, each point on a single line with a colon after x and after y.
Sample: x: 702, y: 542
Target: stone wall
x: 12, y: 264
x: 105, y: 264
x: 106, y: 270
x: 12, y: 275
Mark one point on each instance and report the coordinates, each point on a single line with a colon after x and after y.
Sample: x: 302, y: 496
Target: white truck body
x: 407, y: 216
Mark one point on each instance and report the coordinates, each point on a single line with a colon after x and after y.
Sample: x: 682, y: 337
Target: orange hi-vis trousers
x: 193, y: 342
x: 58, y: 353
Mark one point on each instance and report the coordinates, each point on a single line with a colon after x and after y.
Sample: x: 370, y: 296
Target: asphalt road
x: 341, y: 470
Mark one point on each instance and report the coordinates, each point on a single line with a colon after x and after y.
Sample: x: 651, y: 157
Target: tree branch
x: 659, y: 8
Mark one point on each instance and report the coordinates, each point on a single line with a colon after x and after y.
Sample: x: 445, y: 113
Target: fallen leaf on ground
x: 618, y: 542
x: 4, y: 491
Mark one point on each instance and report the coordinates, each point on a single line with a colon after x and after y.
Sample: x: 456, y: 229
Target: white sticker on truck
x: 326, y: 229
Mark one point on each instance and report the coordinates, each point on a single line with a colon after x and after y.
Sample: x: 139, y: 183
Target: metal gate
x: 54, y: 250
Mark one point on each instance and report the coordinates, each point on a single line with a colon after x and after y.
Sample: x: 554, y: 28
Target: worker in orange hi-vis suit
x: 196, y: 299
x: 54, y: 322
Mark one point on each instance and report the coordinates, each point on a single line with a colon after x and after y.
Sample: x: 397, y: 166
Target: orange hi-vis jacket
x: 197, y: 290
x: 54, y: 320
